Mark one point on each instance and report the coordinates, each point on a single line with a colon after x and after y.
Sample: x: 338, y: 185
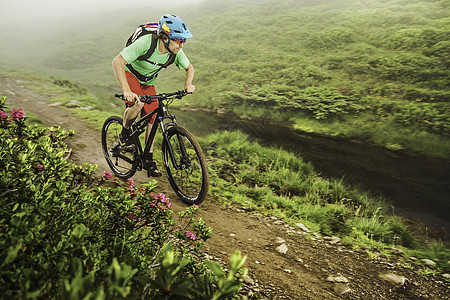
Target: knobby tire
x: 186, y: 169
x: 122, y: 163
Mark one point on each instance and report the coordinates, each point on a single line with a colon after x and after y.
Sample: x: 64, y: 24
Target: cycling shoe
x: 152, y: 169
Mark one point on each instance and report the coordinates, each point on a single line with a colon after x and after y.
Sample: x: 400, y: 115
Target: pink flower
x: 130, y: 188
x: 38, y: 167
x: 17, y: 114
x: 3, y: 115
x: 161, y: 201
x: 191, y: 235
x: 130, y: 183
x: 107, y: 175
x: 164, y: 200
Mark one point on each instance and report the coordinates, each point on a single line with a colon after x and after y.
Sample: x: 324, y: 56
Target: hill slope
x: 372, y: 70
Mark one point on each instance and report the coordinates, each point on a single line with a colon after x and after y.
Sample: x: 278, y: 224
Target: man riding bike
x: 136, y: 77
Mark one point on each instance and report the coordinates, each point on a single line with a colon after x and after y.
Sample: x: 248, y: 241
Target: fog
x: 28, y: 13
x: 25, y: 22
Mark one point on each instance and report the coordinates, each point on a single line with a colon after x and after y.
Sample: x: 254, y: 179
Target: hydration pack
x: 148, y: 28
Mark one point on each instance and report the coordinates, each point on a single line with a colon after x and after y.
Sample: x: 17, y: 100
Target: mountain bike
x: 183, y: 159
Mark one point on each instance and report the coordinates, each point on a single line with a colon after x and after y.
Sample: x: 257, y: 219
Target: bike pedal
x: 128, y: 148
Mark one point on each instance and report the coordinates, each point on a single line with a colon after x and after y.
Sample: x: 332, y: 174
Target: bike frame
x: 140, y: 126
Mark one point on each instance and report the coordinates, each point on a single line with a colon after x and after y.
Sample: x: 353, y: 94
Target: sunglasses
x: 179, y: 41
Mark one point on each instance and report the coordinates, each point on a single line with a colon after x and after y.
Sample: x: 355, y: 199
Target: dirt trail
x: 312, y: 268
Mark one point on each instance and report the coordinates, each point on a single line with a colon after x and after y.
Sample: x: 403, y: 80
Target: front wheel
x: 185, y: 165
x: 121, y: 162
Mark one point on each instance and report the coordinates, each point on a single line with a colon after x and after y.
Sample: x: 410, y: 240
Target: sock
x: 125, y: 132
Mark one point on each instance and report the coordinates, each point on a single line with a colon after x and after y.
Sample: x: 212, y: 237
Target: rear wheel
x: 185, y: 165
x: 121, y: 162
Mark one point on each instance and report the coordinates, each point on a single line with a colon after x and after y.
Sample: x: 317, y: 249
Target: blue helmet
x: 174, y: 27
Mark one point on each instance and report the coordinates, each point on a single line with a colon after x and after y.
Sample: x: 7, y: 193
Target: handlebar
x: 148, y: 98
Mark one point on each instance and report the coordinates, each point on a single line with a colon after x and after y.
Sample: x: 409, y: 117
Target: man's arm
x: 190, y: 72
x: 119, y: 71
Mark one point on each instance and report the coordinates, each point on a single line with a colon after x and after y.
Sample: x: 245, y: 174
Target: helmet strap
x: 167, y: 44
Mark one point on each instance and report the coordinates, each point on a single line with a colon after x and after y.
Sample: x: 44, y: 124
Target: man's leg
x: 147, y: 135
x: 152, y: 168
x: 131, y: 113
x: 133, y: 108
x: 148, y: 108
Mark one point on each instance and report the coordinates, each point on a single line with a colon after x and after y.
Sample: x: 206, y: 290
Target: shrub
x: 331, y: 38
x: 73, y: 86
x: 66, y: 234
x: 413, y: 38
x: 324, y: 103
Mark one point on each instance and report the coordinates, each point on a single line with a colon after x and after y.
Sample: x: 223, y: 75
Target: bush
x: 324, y: 103
x: 432, y: 117
x: 330, y: 38
x: 72, y: 86
x: 66, y: 234
x: 413, y: 38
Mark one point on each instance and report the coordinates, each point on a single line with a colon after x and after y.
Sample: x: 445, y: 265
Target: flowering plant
x: 65, y: 227
x: 17, y: 115
x: 107, y: 175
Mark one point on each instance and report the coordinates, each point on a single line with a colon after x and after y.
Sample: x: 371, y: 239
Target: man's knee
x: 137, y: 107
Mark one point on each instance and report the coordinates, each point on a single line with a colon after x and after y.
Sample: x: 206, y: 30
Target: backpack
x: 148, y: 28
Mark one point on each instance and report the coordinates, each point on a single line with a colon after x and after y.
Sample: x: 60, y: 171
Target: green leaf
x: 12, y: 253
x: 215, y: 268
x: 79, y: 231
x: 237, y: 261
x: 182, y: 287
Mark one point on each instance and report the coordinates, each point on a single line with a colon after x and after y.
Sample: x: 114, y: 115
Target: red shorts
x: 141, y: 90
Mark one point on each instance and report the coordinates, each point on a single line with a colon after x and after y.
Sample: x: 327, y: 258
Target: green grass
x: 277, y: 183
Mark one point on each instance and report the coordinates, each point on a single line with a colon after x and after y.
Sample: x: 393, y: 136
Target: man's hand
x: 130, y: 96
x: 190, y: 88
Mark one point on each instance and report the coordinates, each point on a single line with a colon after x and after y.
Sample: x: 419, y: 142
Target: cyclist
x: 137, y: 77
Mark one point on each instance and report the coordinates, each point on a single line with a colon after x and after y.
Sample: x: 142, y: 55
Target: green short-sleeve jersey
x: 140, y: 47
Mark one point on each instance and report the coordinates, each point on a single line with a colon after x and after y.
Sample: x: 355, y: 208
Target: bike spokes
x: 185, y: 166
x: 121, y: 161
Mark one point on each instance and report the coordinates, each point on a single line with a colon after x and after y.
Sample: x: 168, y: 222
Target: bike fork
x: 184, y: 157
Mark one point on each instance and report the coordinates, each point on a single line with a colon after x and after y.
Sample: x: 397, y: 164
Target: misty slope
x: 261, y: 41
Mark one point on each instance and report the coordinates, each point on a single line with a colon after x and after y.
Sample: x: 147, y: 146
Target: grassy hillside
x: 371, y: 70
x: 356, y: 70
